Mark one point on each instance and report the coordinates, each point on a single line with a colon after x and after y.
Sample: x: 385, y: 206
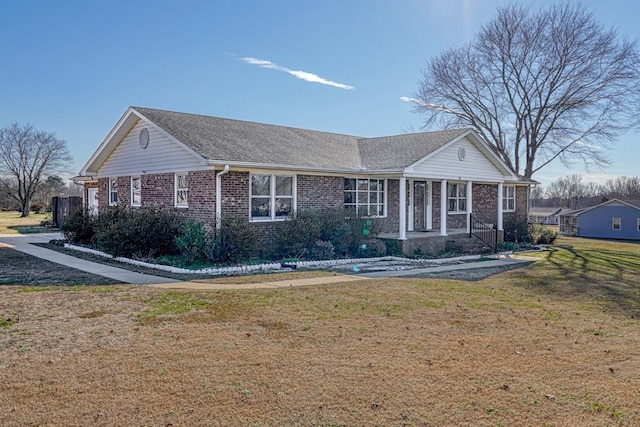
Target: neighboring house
x: 207, y: 167
x: 613, y: 219
x: 547, y: 216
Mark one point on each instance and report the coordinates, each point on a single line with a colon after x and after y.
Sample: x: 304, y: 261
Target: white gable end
x: 461, y: 160
x: 161, y: 155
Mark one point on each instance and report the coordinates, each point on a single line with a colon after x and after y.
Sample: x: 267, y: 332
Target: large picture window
x: 271, y: 196
x: 182, y: 190
x: 364, y: 196
x: 457, y: 195
x: 113, y: 191
x: 509, y: 198
x: 136, y: 191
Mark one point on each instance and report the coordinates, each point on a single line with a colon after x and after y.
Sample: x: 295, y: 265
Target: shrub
x: 373, y: 248
x: 542, y: 235
x: 138, y: 233
x: 298, y: 236
x: 79, y: 227
x: 516, y: 229
x: 37, y: 207
x: 323, y: 249
x: 235, y: 241
x: 193, y: 242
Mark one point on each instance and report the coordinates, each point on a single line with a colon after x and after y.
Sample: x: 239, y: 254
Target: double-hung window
x: 457, y: 196
x: 272, y: 196
x: 616, y: 223
x: 136, y: 191
x: 364, y: 196
x: 182, y: 190
x: 509, y: 198
x: 113, y: 191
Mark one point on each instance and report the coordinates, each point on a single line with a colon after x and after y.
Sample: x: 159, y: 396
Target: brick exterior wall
x: 156, y: 190
x: 485, y: 203
x: 313, y: 192
x: 201, y: 197
x: 235, y: 194
x: 319, y: 192
x: 103, y: 193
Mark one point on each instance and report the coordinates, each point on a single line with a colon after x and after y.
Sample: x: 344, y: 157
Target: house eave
x: 315, y: 169
x: 83, y: 179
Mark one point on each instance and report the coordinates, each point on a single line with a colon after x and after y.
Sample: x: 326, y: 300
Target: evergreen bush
x: 79, y: 227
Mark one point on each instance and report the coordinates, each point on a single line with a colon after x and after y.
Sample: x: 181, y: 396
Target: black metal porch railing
x: 484, y: 232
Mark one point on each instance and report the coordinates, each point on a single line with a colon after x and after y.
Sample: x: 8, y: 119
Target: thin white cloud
x: 411, y: 100
x: 302, y: 75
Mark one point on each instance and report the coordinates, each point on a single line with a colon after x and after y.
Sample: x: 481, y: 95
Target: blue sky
x: 73, y: 67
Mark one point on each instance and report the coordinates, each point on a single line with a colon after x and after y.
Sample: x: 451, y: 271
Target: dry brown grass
x: 555, y: 344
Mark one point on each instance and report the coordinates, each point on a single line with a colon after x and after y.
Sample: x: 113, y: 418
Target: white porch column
x: 443, y: 207
x: 402, y: 220
x: 469, y: 197
x: 500, y: 201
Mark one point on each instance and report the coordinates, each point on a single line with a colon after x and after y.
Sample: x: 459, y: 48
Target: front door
x: 92, y: 200
x: 421, y: 206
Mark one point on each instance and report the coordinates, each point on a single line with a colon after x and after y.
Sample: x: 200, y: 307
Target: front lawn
x: 555, y: 343
x: 12, y: 223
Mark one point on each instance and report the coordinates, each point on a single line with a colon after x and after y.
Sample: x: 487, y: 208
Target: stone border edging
x: 268, y: 267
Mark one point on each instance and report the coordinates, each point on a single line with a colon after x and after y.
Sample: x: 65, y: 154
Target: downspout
x: 219, y: 195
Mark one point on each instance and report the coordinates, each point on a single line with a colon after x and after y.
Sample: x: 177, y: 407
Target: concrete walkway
x: 500, y: 261
x: 23, y: 243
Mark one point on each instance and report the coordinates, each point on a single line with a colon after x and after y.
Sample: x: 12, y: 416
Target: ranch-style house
x: 423, y: 188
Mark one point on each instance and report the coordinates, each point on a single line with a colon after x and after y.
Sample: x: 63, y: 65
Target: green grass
x: 12, y: 223
x: 174, y: 303
x: 5, y: 322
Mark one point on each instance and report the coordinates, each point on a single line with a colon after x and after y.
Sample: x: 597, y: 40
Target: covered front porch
x: 428, y: 207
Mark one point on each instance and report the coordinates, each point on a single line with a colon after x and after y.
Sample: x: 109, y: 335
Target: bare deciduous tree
x: 567, y: 190
x: 623, y: 187
x: 27, y: 156
x: 538, y: 86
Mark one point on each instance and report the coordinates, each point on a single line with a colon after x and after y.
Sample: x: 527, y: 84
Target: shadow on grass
x: 33, y: 229
x: 606, y: 274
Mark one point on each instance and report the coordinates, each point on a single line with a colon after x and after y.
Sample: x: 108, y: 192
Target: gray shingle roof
x: 234, y: 140
x: 222, y: 139
x: 399, y: 151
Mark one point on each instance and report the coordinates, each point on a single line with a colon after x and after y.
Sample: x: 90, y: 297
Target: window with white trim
x: 509, y: 198
x: 617, y: 223
x: 638, y: 224
x: 136, y: 191
x: 364, y: 196
x: 182, y: 190
x: 457, y: 196
x: 271, y: 196
x: 113, y: 191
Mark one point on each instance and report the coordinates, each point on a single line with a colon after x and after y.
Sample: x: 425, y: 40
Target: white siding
x: 446, y: 165
x: 161, y: 155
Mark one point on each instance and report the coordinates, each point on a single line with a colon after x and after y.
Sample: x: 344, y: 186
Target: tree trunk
x: 25, y: 209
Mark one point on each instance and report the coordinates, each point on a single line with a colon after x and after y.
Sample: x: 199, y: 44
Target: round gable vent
x: 461, y: 153
x: 143, y: 137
